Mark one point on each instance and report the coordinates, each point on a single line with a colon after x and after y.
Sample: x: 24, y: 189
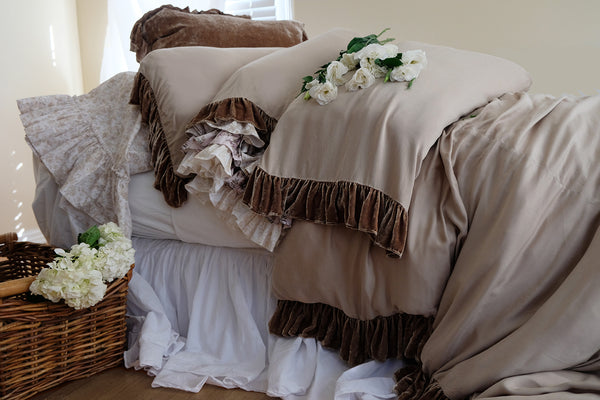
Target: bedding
x: 90, y: 144
x: 388, y: 128
x: 229, y: 135
x: 168, y: 26
x: 170, y: 90
x: 482, y: 287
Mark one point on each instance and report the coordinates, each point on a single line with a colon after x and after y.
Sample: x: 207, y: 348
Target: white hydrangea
x: 114, y: 259
x: 78, y: 286
x: 79, y: 276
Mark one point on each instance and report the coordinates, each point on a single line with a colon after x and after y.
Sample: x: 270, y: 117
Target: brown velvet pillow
x: 169, y: 26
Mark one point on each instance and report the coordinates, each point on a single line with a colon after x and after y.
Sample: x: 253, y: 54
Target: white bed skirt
x: 199, y: 314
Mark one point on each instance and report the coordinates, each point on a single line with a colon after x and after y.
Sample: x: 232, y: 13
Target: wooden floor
x: 120, y: 383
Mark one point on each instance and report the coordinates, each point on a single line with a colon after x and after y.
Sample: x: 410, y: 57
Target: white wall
x: 40, y: 56
x: 557, y: 41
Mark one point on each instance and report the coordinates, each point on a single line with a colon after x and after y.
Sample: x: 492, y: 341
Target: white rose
x: 377, y: 70
x: 323, y: 93
x: 376, y: 50
x: 413, y: 62
x: 349, y: 61
x: 362, y: 79
x: 414, y: 57
x: 335, y: 72
x: 406, y: 72
x: 311, y: 84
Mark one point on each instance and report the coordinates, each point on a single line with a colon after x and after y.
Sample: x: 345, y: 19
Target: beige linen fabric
x: 273, y: 81
x: 378, y: 137
x: 250, y: 101
x: 504, y: 244
x: 523, y: 295
x: 340, y: 267
x: 185, y: 79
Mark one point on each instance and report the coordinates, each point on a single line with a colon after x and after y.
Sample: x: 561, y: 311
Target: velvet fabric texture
x: 170, y: 91
x: 349, y: 204
x: 166, y: 181
x: 396, y: 336
x: 169, y: 26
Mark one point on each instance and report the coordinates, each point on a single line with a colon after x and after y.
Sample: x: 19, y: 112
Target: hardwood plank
x: 121, y: 383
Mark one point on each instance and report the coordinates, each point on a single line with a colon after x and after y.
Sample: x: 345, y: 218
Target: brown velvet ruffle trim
x: 413, y: 384
x: 395, y: 336
x: 237, y: 109
x: 346, y: 203
x: 166, y: 181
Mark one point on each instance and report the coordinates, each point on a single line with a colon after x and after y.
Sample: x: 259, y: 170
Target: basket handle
x: 15, y: 286
x: 8, y: 238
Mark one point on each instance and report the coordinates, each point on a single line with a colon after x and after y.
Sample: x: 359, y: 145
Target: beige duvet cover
x: 502, y: 262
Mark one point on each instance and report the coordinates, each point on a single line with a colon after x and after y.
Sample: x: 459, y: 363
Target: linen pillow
x: 170, y: 26
x: 171, y: 86
x: 354, y: 161
x: 229, y: 135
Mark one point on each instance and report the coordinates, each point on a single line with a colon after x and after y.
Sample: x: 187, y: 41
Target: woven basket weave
x: 43, y: 344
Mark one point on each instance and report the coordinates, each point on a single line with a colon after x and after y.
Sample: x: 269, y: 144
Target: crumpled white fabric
x: 218, y: 302
x: 220, y: 155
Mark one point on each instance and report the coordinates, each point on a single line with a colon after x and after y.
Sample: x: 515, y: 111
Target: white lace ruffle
x: 221, y: 156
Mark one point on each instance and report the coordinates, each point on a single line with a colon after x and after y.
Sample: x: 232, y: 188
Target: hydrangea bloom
x: 79, y: 276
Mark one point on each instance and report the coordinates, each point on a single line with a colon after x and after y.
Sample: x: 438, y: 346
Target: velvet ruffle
x: 166, y: 181
x: 237, y: 109
x: 347, y: 203
x: 396, y: 336
x: 413, y: 384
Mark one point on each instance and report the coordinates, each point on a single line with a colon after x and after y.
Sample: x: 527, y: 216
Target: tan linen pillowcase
x: 171, y: 86
x: 367, y: 147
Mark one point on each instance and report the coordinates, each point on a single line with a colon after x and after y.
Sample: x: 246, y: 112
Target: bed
x: 433, y: 242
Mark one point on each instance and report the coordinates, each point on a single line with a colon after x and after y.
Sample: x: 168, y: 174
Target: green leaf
x: 410, y: 83
x: 322, y: 77
x: 384, y: 31
x: 391, y: 62
x: 91, y: 237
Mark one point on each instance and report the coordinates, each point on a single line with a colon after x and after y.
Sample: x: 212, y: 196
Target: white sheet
x: 196, y: 221
x: 200, y: 314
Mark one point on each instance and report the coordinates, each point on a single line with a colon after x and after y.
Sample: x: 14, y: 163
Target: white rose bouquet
x: 79, y: 276
x: 370, y: 59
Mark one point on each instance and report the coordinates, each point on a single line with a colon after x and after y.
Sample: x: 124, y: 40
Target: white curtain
x: 122, y: 14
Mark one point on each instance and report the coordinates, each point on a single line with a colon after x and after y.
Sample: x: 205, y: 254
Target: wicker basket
x: 43, y: 344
